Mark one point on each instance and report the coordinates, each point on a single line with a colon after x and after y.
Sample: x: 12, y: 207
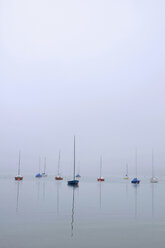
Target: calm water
x: 43, y: 213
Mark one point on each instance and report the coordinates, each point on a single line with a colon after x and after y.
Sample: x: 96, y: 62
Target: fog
x: 93, y: 69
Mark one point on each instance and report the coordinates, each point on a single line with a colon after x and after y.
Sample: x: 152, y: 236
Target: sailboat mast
x: 45, y: 165
x: 39, y: 164
x: 152, y: 163
x: 100, y: 165
x: 126, y: 169
x: 78, y: 167
x: 59, y: 158
x: 19, y: 163
x: 74, y: 159
x: 136, y: 162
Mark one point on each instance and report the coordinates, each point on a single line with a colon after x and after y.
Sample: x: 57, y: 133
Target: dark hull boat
x: 18, y: 178
x: 74, y: 182
x: 100, y: 179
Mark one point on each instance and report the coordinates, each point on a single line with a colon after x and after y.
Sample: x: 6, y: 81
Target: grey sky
x: 90, y: 68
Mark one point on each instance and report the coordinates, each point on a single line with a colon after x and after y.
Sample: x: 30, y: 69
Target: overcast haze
x: 91, y: 68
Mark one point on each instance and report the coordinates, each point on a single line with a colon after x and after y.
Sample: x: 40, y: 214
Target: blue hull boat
x: 38, y: 175
x: 73, y: 183
x: 135, y: 181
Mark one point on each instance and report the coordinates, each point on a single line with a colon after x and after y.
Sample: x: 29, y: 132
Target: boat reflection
x: 17, y: 197
x: 44, y: 190
x: 136, y: 189
x: 58, y: 184
x: 73, y: 211
x: 100, y: 195
x: 38, y: 190
x: 153, y: 199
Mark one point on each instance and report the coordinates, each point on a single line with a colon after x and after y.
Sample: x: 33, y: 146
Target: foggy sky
x: 90, y: 68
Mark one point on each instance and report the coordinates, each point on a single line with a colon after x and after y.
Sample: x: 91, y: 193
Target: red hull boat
x: 58, y: 178
x: 100, y: 179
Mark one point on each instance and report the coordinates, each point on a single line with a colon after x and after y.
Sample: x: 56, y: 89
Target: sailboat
x: 100, y: 178
x: 153, y: 178
x: 74, y: 182
x: 58, y: 177
x: 39, y: 175
x: 126, y: 176
x: 44, y: 173
x: 19, y: 177
x: 135, y: 180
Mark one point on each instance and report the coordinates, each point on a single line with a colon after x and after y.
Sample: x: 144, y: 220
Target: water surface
x: 44, y: 213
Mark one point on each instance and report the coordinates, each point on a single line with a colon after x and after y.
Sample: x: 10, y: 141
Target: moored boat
x: 58, y: 177
x: 39, y: 175
x: 135, y: 180
x: 100, y: 178
x: 44, y: 173
x: 126, y: 176
x: 74, y: 182
x: 153, y: 178
x: 19, y: 177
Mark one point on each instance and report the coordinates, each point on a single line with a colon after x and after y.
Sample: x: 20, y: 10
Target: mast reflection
x: 73, y: 211
x: 72, y: 222
x: 136, y: 188
x: 153, y: 201
x: 58, y: 198
x: 44, y: 191
x: 100, y: 195
x: 17, y: 199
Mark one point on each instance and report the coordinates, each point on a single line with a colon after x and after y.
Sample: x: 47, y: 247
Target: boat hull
x: 154, y: 180
x: 135, y: 181
x: 58, y: 178
x: 18, y: 178
x: 38, y: 175
x: 100, y: 179
x: 44, y: 175
x: 73, y: 183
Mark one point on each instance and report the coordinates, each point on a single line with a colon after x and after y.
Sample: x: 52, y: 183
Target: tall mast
x: 39, y: 161
x: 136, y: 162
x: 100, y: 165
x: 74, y: 158
x: 45, y: 165
x: 59, y: 158
x: 19, y: 163
x: 152, y: 163
x: 79, y: 167
x: 127, y: 169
